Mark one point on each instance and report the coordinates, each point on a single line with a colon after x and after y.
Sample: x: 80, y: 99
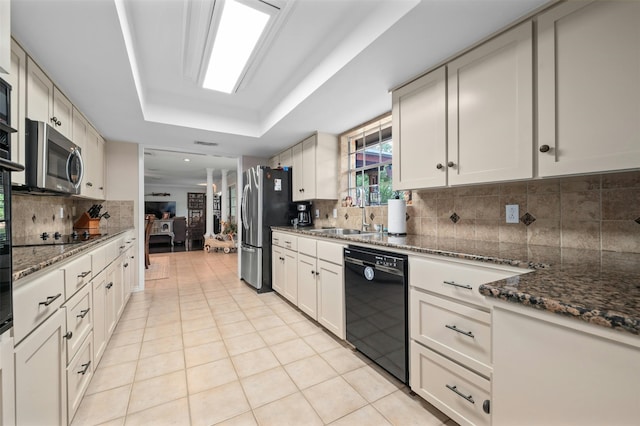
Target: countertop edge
x: 77, y: 249
x: 503, y: 291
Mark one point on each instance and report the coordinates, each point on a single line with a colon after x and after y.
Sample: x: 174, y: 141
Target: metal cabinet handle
x: 451, y: 164
x: 544, y: 148
x: 108, y: 286
x: 317, y: 273
x: 50, y: 300
x: 55, y: 121
x: 439, y: 166
x: 83, y: 313
x: 68, y: 336
x: 126, y: 265
x: 454, y: 328
x: 457, y: 392
x: 313, y: 272
x: 122, y: 247
x: 455, y: 284
x: 89, y: 184
x: 84, y: 274
x: 486, y: 406
x: 86, y: 367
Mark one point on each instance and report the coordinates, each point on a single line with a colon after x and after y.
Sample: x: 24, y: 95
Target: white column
x: 224, y: 205
x: 209, y: 228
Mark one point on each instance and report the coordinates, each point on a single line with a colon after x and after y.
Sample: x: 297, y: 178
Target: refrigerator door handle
x: 248, y: 249
x: 245, y: 216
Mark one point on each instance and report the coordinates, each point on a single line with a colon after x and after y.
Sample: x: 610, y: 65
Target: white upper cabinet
x: 589, y: 87
x: 45, y: 102
x: 315, y: 168
x: 419, y: 128
x: 490, y: 95
x: 17, y: 79
x: 93, y: 154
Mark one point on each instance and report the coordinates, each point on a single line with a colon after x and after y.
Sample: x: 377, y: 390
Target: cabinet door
x: 291, y: 276
x: 110, y: 305
x: 277, y: 269
x: 307, y: 289
x: 274, y: 161
x: 285, y: 158
x: 79, y: 129
x: 39, y: 94
x: 297, y: 173
x: 99, y: 316
x: 331, y: 298
x: 62, y: 113
x: 419, y: 127
x: 94, y: 158
x: 18, y: 81
x: 589, y: 87
x: 309, y: 168
x: 572, y: 378
x: 5, y: 37
x: 40, y: 362
x: 491, y: 110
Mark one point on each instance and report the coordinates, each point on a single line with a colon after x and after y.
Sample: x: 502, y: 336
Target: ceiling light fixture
x: 206, y: 30
x: 187, y: 160
x: 240, y: 28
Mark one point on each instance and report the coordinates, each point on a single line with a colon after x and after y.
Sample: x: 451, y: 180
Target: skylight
x: 239, y: 31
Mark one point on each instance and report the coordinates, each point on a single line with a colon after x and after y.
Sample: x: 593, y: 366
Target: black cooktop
x: 56, y: 238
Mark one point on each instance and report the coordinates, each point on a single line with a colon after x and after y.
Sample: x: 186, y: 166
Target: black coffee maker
x: 304, y: 216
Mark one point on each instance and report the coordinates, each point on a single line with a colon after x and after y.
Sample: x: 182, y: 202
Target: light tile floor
x: 202, y: 348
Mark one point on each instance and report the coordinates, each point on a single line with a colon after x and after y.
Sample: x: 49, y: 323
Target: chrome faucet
x: 365, y: 225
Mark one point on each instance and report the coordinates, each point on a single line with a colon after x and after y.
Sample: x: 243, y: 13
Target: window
x: 370, y: 168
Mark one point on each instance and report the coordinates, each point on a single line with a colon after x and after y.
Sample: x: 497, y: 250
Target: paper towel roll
x: 397, y: 212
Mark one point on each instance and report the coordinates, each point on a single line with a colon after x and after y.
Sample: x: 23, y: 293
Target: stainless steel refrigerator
x: 266, y: 202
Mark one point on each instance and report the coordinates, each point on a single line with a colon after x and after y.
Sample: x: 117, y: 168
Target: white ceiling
x: 329, y: 68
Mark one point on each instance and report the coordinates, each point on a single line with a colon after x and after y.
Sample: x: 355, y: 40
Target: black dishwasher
x: 376, y: 307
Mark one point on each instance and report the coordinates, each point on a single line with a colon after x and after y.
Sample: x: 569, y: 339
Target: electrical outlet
x: 335, y: 213
x: 513, y: 214
x: 317, y: 213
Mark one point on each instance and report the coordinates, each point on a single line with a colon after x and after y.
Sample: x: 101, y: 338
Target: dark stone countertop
x: 599, y: 287
x: 27, y: 260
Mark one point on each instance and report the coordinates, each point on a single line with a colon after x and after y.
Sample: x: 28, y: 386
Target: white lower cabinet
x: 331, y: 296
x: 552, y: 370
x: 307, y: 285
x: 99, y: 316
x: 453, y: 389
x: 450, y: 336
x: 40, y: 361
x: 310, y: 275
x: 55, y: 336
x: 79, y: 374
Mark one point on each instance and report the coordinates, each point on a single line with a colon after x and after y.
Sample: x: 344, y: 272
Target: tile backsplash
x: 599, y: 212
x: 35, y: 214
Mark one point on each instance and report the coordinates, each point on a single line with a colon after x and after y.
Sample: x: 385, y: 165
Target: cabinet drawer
x: 331, y: 252
x: 307, y: 246
x: 456, y: 391
x: 35, y: 300
x: 79, y: 374
x: 77, y: 273
x: 290, y: 241
x: 455, y: 279
x: 112, y: 251
x: 276, y: 239
x: 79, y: 320
x: 457, y: 331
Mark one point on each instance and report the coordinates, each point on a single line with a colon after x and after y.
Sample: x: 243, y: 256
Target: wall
x: 599, y: 212
x: 179, y: 195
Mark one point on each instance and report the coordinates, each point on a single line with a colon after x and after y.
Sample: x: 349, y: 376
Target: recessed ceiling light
x: 240, y: 29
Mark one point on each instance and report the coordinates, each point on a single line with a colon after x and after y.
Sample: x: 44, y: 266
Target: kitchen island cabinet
x: 588, y: 124
x: 556, y: 371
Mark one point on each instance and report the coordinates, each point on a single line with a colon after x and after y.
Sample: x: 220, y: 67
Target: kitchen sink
x: 341, y: 231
